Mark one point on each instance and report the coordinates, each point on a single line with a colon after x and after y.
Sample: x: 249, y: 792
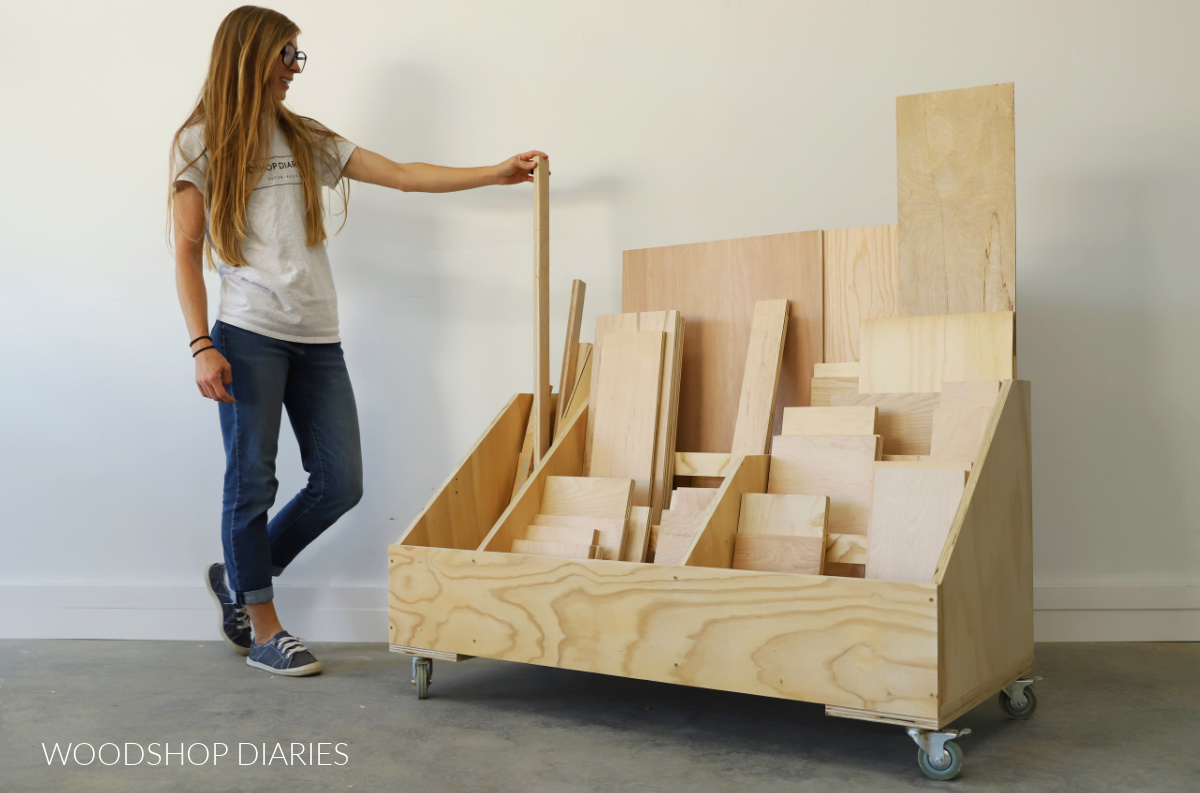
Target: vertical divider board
x: 712, y: 546
x: 467, y: 504
x: 985, y: 573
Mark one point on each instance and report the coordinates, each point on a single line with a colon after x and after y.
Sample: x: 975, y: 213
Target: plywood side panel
x: 862, y: 281
x: 477, y: 492
x: 715, y: 286
x: 864, y: 644
x: 760, y: 379
x: 985, y: 574
x: 956, y: 164
x: 905, y: 421
x: 918, y: 354
x: 713, y: 544
x: 565, y: 458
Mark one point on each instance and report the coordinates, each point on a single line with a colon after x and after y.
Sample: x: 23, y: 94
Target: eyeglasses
x: 291, y: 55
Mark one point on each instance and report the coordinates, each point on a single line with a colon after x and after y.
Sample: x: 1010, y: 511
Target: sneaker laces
x: 241, y: 618
x: 290, y: 645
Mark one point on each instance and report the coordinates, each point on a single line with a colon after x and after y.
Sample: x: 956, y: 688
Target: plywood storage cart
x: 906, y: 320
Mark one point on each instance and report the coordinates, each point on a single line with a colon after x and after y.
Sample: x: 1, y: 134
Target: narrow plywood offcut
x: 541, y: 312
x: 568, y: 377
x: 912, y: 511
x: 862, y: 281
x: 956, y: 164
x: 760, y: 379
x: 626, y: 410
x: 839, y: 466
x: 715, y: 286
x: 918, y: 354
x: 829, y: 420
x: 609, y: 532
x: 586, y: 497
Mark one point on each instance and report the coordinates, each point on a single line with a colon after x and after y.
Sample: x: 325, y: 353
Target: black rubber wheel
x: 422, y: 673
x: 948, y: 766
x: 1019, y: 710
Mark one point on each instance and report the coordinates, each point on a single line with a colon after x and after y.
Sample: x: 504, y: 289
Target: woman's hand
x: 213, y: 373
x: 519, y: 169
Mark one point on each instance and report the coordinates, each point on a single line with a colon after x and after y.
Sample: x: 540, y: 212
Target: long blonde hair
x: 239, y: 109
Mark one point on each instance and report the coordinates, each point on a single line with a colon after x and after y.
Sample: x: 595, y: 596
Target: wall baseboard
x: 1080, y: 613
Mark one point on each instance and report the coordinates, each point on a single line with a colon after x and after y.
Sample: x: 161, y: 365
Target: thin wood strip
x: 567, y: 378
x: 541, y: 311
x: 760, y: 378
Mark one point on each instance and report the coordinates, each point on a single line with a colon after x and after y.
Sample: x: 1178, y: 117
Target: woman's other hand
x: 213, y: 373
x: 519, y: 169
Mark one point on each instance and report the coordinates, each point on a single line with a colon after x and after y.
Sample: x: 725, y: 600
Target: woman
x: 246, y: 195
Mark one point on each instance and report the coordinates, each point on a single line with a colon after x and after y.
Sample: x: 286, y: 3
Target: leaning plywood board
x: 985, y: 575
x: 715, y: 286
x: 692, y: 499
x: 541, y: 312
x: 956, y: 164
x: 779, y: 553
x: 610, y: 532
x: 568, y: 377
x: 760, y: 379
x: 839, y: 466
x: 918, y: 354
x: 475, y: 495
x: 586, y: 497
x: 829, y: 420
x: 626, y: 408
x: 912, y: 509
x: 865, y: 644
x: 581, y: 392
x: 861, y: 282
x: 845, y: 549
x: 637, y: 535
x: 960, y: 420
x: 783, y: 514
x: 905, y: 421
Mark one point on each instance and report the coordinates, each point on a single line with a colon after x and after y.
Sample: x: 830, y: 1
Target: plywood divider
x: 565, y: 458
x: 985, y: 573
x: 713, y: 544
x: 472, y: 498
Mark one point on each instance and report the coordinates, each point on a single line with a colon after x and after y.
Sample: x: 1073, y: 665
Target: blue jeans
x: 311, y: 381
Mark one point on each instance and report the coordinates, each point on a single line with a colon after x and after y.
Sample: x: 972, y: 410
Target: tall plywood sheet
x: 956, y: 163
x: 862, y: 281
x: 715, y: 286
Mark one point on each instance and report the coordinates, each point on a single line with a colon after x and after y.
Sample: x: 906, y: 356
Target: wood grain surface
x: 715, y: 286
x: 568, y: 376
x: 783, y: 514
x: 586, y: 497
x: 855, y: 643
x: 956, y: 164
x: 541, y: 310
x: 960, y: 420
x: 760, y: 378
x: 839, y: 466
x: 779, y: 553
x: 826, y: 389
x: 918, y: 354
x: 905, y: 421
x: 862, y: 281
x: 609, y: 532
x: 912, y: 510
x: 855, y: 420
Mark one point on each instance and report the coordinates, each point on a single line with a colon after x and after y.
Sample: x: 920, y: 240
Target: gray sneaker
x: 235, y: 622
x: 283, y: 654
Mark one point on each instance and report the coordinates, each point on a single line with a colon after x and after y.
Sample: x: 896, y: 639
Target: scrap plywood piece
x: 586, y: 497
x: 839, y: 466
x: 918, y: 354
x: 637, y: 535
x: 626, y: 409
x: 956, y: 166
x: 960, y: 420
x: 692, y: 499
x: 568, y: 377
x: 829, y: 420
x: 581, y: 391
x: 826, y: 389
x: 779, y: 553
x: 904, y: 421
x: 670, y: 547
x: 836, y: 369
x: 913, y: 508
x: 541, y: 310
x: 610, y: 532
x: 715, y: 286
x: 862, y: 281
x: 562, y: 550
x: 845, y: 549
x: 783, y: 514
x: 575, y: 535
x: 760, y: 378
x: 703, y: 464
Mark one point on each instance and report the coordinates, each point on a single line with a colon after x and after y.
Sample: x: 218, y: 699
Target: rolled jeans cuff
x: 276, y: 571
x: 254, y: 597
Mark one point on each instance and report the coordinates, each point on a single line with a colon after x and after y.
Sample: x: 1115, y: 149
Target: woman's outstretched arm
x: 419, y: 177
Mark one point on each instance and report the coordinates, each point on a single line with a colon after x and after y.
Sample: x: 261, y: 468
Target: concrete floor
x: 1112, y: 717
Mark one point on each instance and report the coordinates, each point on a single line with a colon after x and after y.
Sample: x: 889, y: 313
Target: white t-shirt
x: 287, y: 290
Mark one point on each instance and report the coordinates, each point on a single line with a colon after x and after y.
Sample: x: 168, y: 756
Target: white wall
x: 667, y: 122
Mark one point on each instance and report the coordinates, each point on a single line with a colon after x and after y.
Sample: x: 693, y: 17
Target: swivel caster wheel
x: 1018, y: 700
x: 947, y: 766
x: 422, y: 676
